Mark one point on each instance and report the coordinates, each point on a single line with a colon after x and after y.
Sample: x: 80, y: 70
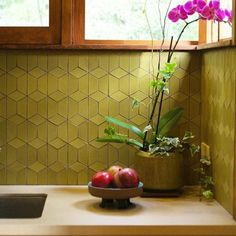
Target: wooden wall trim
x: 66, y: 33
x: 234, y: 23
x: 78, y: 21
x: 234, y: 43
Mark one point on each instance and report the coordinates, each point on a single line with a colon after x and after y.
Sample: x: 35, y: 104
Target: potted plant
x: 159, y: 161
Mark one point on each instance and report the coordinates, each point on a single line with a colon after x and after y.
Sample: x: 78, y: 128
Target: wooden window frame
x: 36, y: 35
x: 78, y: 36
x: 67, y: 30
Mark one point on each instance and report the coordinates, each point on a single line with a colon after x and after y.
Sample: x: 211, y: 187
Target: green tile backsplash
x: 52, y: 106
x: 218, y: 119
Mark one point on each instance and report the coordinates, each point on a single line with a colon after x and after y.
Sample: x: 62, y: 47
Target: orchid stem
x: 162, y: 93
x: 180, y: 35
x: 145, y: 148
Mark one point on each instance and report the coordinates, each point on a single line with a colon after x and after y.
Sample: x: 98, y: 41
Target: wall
x: 52, y: 105
x: 218, y: 118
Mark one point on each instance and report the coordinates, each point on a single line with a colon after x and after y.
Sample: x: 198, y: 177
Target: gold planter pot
x: 161, y: 173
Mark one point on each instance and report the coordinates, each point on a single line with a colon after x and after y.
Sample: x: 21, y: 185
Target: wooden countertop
x: 70, y: 210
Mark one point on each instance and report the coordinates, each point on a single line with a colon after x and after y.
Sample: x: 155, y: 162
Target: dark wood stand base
x: 116, y: 203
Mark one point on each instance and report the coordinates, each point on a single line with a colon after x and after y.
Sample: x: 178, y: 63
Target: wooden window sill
x: 221, y: 44
x: 90, y: 46
x: 94, y: 47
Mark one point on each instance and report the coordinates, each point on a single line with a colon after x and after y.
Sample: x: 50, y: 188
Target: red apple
x: 113, y: 169
x: 126, y: 178
x: 102, y: 179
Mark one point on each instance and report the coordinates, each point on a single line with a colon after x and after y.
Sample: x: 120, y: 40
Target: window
x: 101, y: 24
x: 29, y: 13
x: 125, y: 20
x: 122, y: 24
x: 30, y: 21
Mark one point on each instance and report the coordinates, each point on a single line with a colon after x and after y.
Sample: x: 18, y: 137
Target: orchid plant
x: 153, y: 136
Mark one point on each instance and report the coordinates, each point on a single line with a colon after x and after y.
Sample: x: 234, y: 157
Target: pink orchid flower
x: 194, y: 6
x: 177, y: 13
x: 209, y: 11
x: 190, y: 7
x: 200, y: 5
x: 220, y: 15
x: 228, y: 14
x: 214, y: 4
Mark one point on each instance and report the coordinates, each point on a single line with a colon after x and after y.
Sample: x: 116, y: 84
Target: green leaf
x: 188, y: 135
x: 168, y: 70
x: 112, y: 139
x: 110, y: 130
x: 154, y: 83
x: 168, y: 120
x: 205, y: 160
x: 207, y: 180
x: 208, y: 194
x: 162, y: 86
x: 194, y: 149
x: 125, y: 125
x: 147, y: 128
x: 134, y: 142
x: 165, y: 74
x: 135, y: 103
x: 200, y: 170
x: 120, y: 139
x: 170, y: 67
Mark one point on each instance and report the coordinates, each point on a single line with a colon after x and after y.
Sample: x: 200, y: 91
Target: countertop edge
x: 181, y: 230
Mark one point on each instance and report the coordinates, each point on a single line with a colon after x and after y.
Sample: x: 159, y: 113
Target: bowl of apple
x: 116, y: 186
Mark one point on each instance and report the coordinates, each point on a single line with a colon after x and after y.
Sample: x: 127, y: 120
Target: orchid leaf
x: 168, y: 120
x: 120, y: 139
x: 125, y: 125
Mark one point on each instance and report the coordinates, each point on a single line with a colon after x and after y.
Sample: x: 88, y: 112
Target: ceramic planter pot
x: 160, y: 173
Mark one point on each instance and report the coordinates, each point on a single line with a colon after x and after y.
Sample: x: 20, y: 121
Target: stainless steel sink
x: 22, y: 205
